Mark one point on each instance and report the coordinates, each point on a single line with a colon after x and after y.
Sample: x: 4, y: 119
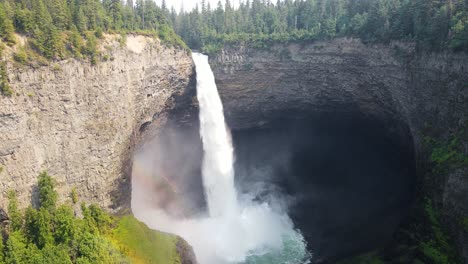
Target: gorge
x: 335, y: 127
x: 298, y: 110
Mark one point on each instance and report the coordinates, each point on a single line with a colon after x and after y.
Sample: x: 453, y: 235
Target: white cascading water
x: 235, y: 230
x: 218, y: 159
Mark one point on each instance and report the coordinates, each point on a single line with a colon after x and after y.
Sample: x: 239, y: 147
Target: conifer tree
x: 6, y: 26
x: 13, y: 211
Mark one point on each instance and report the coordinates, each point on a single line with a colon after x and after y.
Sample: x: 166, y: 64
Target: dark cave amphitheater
x: 349, y: 178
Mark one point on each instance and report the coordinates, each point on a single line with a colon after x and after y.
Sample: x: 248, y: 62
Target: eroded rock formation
x: 360, y: 89
x: 79, y: 122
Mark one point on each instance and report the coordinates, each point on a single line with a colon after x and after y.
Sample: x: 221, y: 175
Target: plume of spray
x: 234, y: 230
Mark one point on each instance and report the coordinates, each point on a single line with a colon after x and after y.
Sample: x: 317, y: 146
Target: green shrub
x: 16, y: 218
x: 47, y: 42
x: 38, y: 226
x: 96, y: 249
x: 447, y: 153
x: 99, y: 34
x: 15, y: 248
x: 74, y: 195
x: 436, y: 245
x: 93, y: 60
x: 21, y: 56
x: 65, y: 225
x: 123, y: 40
x: 4, y: 83
x: 55, y: 235
x: 75, y: 42
x: 6, y: 27
x: 431, y: 251
x: 2, y: 47
x: 47, y: 194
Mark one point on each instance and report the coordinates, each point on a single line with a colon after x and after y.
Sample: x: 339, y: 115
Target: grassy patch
x: 143, y: 245
x: 21, y: 56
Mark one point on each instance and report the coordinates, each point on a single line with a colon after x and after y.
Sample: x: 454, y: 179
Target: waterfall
x: 236, y: 229
x: 218, y: 160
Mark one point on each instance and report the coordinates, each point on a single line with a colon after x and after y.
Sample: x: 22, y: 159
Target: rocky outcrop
x: 376, y: 79
x: 80, y: 121
x: 185, y: 251
x: 391, y: 83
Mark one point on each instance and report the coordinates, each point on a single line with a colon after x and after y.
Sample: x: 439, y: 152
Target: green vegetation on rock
x: 58, y: 29
x: 53, y: 233
x: 6, y: 25
x: 144, y: 245
x: 436, y: 246
x: 5, y: 88
x: 446, y: 153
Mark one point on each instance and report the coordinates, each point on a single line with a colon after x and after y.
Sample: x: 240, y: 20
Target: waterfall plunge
x: 235, y: 230
x: 218, y: 160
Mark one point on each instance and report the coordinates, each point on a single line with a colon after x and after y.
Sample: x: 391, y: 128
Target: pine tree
x: 23, y: 20
x: 115, y: 12
x: 41, y: 15
x: 13, y: 210
x: 6, y: 27
x: 15, y: 248
x: 60, y: 13
x: 81, y: 21
x: 459, y: 39
x: 47, y: 194
x: 76, y: 41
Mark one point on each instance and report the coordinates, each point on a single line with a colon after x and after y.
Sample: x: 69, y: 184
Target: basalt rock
x: 304, y: 102
x: 81, y: 122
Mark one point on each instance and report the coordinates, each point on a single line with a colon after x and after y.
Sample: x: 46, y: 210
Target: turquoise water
x: 294, y: 251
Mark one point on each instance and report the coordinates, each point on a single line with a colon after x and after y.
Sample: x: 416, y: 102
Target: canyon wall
x: 80, y: 122
x: 410, y: 92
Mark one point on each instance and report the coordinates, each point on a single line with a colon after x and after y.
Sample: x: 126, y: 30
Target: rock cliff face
x: 79, y: 122
x: 407, y: 93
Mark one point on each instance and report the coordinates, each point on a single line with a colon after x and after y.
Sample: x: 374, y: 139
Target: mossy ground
x: 143, y: 245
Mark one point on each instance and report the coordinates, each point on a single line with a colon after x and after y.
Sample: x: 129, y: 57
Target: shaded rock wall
x: 80, y: 122
x: 394, y: 84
